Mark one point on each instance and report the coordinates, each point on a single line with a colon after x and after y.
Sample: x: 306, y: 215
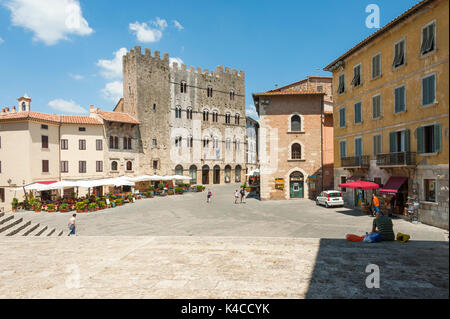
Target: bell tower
x: 24, y: 103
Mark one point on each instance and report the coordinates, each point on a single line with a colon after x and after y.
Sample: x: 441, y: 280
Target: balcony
x: 396, y: 159
x: 356, y: 161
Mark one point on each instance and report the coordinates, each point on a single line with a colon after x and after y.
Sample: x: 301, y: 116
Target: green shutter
x: 392, y: 140
x: 437, y: 138
x: 407, y: 147
x: 396, y: 100
x: 425, y: 90
x: 420, y: 131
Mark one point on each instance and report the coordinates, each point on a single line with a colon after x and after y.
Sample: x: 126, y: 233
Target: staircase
x: 12, y: 226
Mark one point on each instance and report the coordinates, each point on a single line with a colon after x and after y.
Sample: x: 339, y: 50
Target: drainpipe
x: 322, y: 118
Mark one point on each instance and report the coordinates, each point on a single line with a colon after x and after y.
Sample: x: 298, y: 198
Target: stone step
x: 18, y: 228
x: 26, y: 231
x: 33, y: 231
x: 61, y: 233
x: 51, y: 232
x: 5, y: 219
x: 12, y: 223
x: 41, y: 231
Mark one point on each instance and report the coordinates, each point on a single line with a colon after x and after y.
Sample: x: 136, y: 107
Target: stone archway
x: 228, y: 174
x: 296, y: 185
x: 205, y: 175
x: 216, y: 174
x: 288, y: 179
x: 193, y: 174
x: 237, y: 174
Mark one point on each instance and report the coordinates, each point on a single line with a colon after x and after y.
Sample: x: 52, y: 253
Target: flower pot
x: 37, y: 211
x: 51, y: 210
x: 79, y: 211
x: 86, y: 211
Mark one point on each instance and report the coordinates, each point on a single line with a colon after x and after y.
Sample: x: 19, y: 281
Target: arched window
x: 178, y: 141
x: 111, y: 142
x: 179, y: 170
x: 296, y: 151
x: 215, y: 116
x: 189, y: 114
x: 227, y: 118
x: 114, y: 166
x: 227, y: 174
x: 236, y: 119
x: 205, y: 115
x: 296, y: 123
x: 116, y: 142
x: 209, y: 91
x: 178, y: 112
x: 189, y: 141
x: 232, y: 95
x: 183, y: 87
x: 206, y: 142
x: 237, y: 177
x: 24, y: 106
x: 193, y: 174
x: 129, y: 166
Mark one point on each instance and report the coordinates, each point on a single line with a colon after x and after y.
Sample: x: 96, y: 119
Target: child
x: 209, y: 195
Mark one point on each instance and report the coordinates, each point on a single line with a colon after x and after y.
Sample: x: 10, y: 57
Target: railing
x: 397, y: 159
x: 356, y: 161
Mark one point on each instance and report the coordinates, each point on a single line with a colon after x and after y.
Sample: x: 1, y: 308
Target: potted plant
x: 14, y: 204
x: 51, y: 208
x: 101, y: 204
x: 37, y: 207
x: 79, y: 206
x: 92, y: 207
x: 119, y: 201
x: 64, y: 208
x: 178, y: 190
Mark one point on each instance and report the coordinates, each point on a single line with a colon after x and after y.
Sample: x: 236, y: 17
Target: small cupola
x: 24, y: 103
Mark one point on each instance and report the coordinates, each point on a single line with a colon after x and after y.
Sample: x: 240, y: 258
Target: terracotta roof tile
x: 290, y: 93
x: 75, y: 119
x: 118, y: 117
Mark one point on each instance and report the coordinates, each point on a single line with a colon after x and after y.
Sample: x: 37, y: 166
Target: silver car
x: 330, y: 199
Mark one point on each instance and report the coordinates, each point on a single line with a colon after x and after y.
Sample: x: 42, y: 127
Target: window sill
x: 296, y: 160
x: 435, y: 103
x: 377, y: 77
x: 428, y: 154
x: 296, y: 132
x: 398, y: 113
x: 360, y: 123
x: 395, y: 68
x: 377, y: 118
x: 426, y: 55
x: 429, y: 203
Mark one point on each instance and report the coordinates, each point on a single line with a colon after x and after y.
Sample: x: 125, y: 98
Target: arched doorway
x: 179, y: 170
x: 296, y: 185
x: 205, y: 175
x: 217, y: 174
x: 228, y: 174
x: 193, y: 174
x: 237, y: 174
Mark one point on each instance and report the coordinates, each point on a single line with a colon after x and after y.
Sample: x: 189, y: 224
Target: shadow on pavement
x: 350, y: 212
x: 417, y: 269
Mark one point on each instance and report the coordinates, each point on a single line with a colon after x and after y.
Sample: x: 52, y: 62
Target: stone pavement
x: 190, y: 215
x: 182, y: 247
x: 218, y: 267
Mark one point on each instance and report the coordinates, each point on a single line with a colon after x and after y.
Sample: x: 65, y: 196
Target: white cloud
x: 112, y: 69
x: 77, y: 77
x: 113, y: 91
x: 146, y: 34
x: 66, y: 106
x: 1, y: 40
x: 250, y: 110
x: 176, y: 60
x: 49, y: 20
x: 178, y: 25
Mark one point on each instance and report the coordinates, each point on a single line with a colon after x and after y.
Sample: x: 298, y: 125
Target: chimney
x: 13, y: 110
x: 91, y: 110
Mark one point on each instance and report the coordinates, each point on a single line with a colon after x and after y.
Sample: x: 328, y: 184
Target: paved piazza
x: 182, y: 247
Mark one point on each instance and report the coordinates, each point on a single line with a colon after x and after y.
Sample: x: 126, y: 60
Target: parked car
x: 330, y: 198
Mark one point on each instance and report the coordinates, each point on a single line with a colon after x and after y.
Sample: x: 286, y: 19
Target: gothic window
x: 205, y: 115
x: 178, y: 112
x: 296, y: 151
x: 183, y: 87
x: 296, y: 123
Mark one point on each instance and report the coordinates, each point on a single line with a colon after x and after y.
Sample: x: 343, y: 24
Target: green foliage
x: 178, y: 190
x: 80, y: 205
x: 161, y: 186
x: 92, y: 206
x: 119, y: 201
x: 64, y: 206
x: 151, y: 188
x: 101, y: 204
x: 50, y: 207
x: 15, y: 203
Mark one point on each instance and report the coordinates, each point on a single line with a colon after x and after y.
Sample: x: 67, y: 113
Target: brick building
x: 295, y: 121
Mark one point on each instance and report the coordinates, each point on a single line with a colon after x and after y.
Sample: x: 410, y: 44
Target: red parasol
x: 360, y: 185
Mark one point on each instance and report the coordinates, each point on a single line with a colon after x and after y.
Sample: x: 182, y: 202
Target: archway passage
x: 193, y: 174
x: 296, y: 185
x: 228, y: 174
x: 237, y: 173
x: 205, y: 175
x: 217, y: 174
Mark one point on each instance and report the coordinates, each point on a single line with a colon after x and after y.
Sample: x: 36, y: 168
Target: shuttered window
x: 428, y: 38
x: 429, y: 139
x: 399, y: 141
x: 376, y: 66
x: 341, y: 87
x: 342, y: 122
x: 377, y: 145
x: 343, y: 149
x: 358, y: 112
x: 45, y: 166
x: 429, y: 90
x: 400, y: 99
x: 376, y: 106
x: 356, y: 76
x: 44, y: 140
x: 399, y: 57
x: 358, y: 146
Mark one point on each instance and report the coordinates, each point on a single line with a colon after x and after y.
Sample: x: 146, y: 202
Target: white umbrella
x: 33, y: 187
x: 156, y: 178
x: 167, y: 178
x: 181, y: 177
x: 255, y: 172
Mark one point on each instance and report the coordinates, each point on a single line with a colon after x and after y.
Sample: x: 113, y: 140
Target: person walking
x: 208, y: 196
x: 376, y: 203
x: 243, y: 195
x: 72, y: 224
x: 236, y: 196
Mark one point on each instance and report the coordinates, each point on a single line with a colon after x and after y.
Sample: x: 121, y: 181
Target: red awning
x: 47, y: 182
x: 393, y: 185
x: 360, y: 185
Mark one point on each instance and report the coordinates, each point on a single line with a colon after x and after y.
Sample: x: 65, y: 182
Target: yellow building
x: 391, y: 113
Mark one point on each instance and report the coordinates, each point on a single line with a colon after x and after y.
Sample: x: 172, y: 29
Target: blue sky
x: 62, y: 52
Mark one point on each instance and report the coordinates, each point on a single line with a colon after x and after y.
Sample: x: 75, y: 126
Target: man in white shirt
x: 72, y: 224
